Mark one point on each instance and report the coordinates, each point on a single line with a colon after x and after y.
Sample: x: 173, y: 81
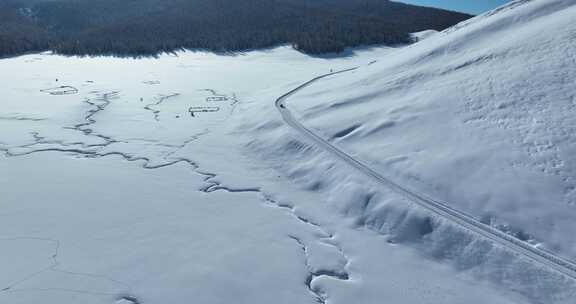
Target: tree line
x: 149, y: 27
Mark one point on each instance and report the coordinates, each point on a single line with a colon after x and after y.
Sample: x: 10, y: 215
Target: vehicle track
x: 439, y: 208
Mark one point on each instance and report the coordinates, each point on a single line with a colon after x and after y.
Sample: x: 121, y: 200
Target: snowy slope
x: 481, y: 116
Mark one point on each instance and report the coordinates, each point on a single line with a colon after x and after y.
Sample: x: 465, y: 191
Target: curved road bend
x: 437, y: 207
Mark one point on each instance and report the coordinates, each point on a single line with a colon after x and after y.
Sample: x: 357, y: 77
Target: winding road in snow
x: 441, y: 209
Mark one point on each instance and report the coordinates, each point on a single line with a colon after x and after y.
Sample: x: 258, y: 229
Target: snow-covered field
x: 175, y: 180
x: 108, y: 192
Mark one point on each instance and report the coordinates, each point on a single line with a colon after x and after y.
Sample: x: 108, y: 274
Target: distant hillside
x: 149, y: 27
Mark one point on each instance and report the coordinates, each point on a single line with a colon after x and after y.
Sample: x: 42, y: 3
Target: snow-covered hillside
x: 482, y: 117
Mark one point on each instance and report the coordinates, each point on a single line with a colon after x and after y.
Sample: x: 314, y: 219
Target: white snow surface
x: 481, y: 116
x: 111, y: 192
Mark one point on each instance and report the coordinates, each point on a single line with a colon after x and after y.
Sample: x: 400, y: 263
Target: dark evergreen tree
x: 148, y: 27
